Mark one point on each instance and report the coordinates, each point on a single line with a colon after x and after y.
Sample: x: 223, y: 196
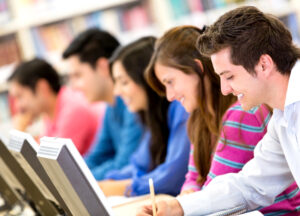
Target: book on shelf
x: 133, y: 18
x: 291, y: 22
x: 179, y: 8
x: 219, y: 3
x: 110, y: 21
x: 9, y: 50
x: 53, y: 37
x: 208, y: 4
x: 4, y: 11
x: 5, y: 113
x: 195, y: 5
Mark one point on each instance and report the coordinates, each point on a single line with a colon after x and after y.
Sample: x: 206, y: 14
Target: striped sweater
x: 242, y: 131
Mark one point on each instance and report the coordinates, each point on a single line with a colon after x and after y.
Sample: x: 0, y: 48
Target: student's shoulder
x: 120, y: 114
x: 175, y: 108
x: 72, y: 102
x: 176, y: 112
x: 117, y: 110
x: 257, y: 114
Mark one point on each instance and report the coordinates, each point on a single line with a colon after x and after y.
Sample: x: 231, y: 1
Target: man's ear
x: 199, y: 63
x: 42, y: 87
x: 102, y: 66
x: 265, y: 66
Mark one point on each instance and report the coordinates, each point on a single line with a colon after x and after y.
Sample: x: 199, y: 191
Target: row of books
x: 50, y: 40
x: 4, y: 11
x: 184, y: 7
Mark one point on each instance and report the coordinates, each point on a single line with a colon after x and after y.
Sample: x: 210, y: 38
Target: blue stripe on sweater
x: 228, y: 162
x: 248, y: 127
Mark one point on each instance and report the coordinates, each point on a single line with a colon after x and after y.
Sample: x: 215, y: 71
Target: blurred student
x: 254, y: 56
x: 36, y: 89
x: 120, y: 134
x: 163, y: 151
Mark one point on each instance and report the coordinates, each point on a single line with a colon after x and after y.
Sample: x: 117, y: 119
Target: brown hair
x: 177, y: 49
x: 249, y: 33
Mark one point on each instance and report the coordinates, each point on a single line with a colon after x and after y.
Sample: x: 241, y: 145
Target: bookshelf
x: 33, y: 22
x: 50, y: 11
x: 204, y: 12
x: 44, y: 28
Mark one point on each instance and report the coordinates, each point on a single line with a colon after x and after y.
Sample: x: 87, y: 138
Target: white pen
x: 152, y: 194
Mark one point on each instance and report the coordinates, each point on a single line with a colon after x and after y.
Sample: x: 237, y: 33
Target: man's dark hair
x: 249, y: 33
x: 30, y: 72
x: 91, y: 45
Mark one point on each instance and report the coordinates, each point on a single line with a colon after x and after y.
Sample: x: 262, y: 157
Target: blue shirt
x: 118, y: 139
x: 169, y: 176
x: 275, y: 166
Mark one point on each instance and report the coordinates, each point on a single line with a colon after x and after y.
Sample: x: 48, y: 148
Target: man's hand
x: 22, y: 120
x: 188, y: 191
x: 114, y: 188
x: 164, y: 208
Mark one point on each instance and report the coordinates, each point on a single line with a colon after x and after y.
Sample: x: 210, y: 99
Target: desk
x: 126, y: 209
x: 129, y: 209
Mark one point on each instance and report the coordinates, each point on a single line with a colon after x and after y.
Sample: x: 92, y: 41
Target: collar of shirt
x: 284, y: 117
x: 293, y: 90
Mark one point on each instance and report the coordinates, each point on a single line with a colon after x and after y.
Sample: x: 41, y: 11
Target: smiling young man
x: 254, y: 56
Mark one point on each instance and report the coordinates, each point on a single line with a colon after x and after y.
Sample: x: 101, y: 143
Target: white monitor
x: 24, y: 148
x: 9, y: 187
x: 72, y: 178
x: 32, y: 192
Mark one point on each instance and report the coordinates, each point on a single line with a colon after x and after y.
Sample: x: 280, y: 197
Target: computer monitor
x: 72, y: 177
x: 24, y: 148
x: 36, y: 197
x: 9, y: 187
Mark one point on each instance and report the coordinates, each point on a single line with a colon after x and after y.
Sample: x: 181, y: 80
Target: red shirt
x: 73, y: 119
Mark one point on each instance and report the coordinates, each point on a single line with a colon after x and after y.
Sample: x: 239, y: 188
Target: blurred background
x: 43, y: 28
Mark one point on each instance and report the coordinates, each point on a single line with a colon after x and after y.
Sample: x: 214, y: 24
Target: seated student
x: 36, y: 88
x: 121, y: 132
x: 176, y: 62
x: 163, y: 151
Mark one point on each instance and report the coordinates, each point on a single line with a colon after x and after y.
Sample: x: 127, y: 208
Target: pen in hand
x: 152, y: 194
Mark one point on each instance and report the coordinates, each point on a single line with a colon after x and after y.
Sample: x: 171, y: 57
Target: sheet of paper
x: 253, y: 213
x: 120, y: 200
